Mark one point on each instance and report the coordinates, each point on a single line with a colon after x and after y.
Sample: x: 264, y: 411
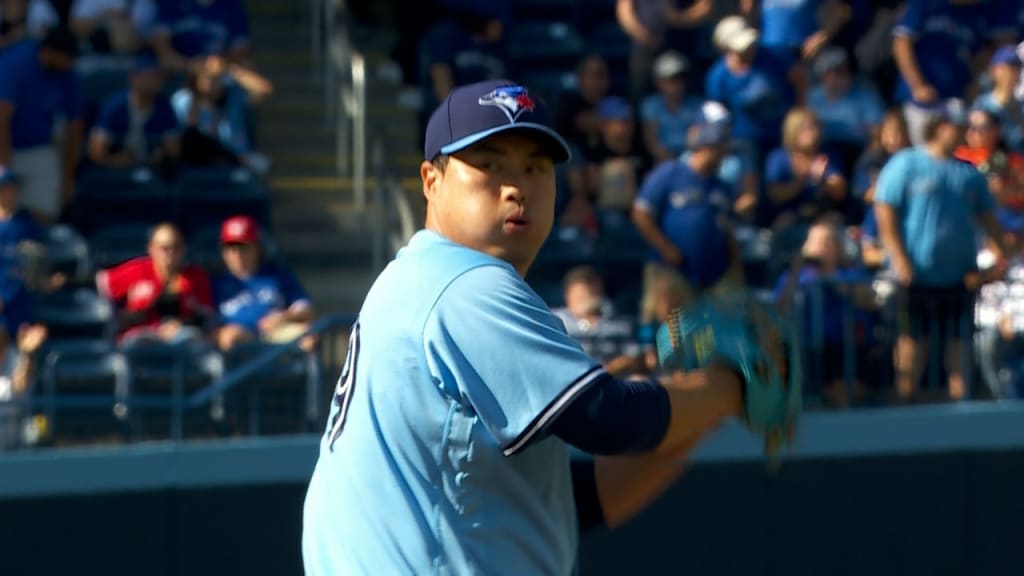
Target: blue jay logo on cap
x: 512, y: 100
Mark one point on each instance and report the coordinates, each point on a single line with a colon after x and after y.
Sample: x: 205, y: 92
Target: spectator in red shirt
x: 159, y: 297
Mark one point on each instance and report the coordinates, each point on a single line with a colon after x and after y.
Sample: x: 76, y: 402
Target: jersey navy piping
x: 556, y: 406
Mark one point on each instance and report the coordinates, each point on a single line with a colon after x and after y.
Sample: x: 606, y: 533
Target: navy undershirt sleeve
x: 615, y: 417
x: 584, y: 491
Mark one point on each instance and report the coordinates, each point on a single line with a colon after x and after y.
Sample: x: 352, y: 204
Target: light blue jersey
x: 937, y: 203
x: 435, y: 459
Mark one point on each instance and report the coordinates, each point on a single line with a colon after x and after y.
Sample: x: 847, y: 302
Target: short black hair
x: 61, y: 39
x: 440, y: 162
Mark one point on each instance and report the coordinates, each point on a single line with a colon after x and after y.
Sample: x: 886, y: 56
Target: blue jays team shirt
x: 199, y: 29
x: 434, y: 460
x: 38, y: 95
x: 936, y: 203
x: 244, y: 301
x: 17, y: 301
x: 125, y: 127
x: 692, y: 212
x: 850, y: 117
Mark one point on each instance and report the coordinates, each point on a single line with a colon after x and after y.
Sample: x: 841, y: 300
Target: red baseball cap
x: 239, y: 230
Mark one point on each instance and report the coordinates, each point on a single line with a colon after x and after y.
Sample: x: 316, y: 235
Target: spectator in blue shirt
x: 668, y: 113
x: 136, y: 126
x: 683, y: 212
x: 799, y: 29
x: 1002, y: 100
x: 755, y: 85
x: 930, y: 207
x: 39, y: 86
x: 257, y: 299
x: 187, y: 31
x: 801, y: 181
x: 931, y: 49
x: 19, y: 234
x: 849, y: 109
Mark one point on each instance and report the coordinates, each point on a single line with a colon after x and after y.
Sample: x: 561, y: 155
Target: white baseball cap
x: 726, y: 28
x: 741, y: 40
x: 669, y: 64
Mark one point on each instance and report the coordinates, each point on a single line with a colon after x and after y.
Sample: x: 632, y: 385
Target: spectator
x: 888, y: 139
x: 463, y: 49
x: 985, y: 149
x: 1002, y: 100
x: 668, y: 113
x: 159, y: 297
x: 929, y: 207
x: 753, y: 85
x: 849, y: 109
x: 656, y: 25
x: 187, y: 32
x: 682, y: 212
x: 20, y: 237
x: 211, y: 110
x: 591, y: 320
x: 257, y: 299
x: 829, y: 284
x: 663, y: 293
x: 928, y: 46
x: 136, y: 126
x: 577, y: 108
x: 620, y: 162
x: 110, y: 25
x: 19, y: 370
x: 577, y: 115
x: 20, y: 19
x: 39, y: 85
x: 1000, y: 310
x: 801, y: 181
x: 799, y: 29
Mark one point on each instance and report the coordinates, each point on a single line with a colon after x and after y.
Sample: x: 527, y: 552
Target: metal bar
x: 379, y: 227
x: 359, y: 130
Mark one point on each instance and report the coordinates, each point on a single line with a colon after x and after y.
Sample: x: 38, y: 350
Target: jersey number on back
x: 346, y: 382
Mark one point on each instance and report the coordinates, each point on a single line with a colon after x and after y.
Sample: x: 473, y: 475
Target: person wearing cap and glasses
x: 1002, y: 100
x: 446, y: 447
x: 39, y: 85
x: 668, y: 113
x: 256, y: 298
x: 930, y: 206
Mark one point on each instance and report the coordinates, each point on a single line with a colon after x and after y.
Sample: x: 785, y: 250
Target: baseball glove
x: 748, y: 335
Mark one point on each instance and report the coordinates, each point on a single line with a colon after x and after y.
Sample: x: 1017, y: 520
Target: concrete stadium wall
x: 869, y: 493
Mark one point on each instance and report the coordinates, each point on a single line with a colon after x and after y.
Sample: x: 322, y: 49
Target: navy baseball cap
x: 1005, y: 55
x: 716, y: 134
x: 474, y: 112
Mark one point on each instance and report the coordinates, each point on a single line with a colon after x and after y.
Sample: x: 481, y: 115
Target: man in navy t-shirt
x: 38, y: 85
x: 187, y: 31
x: 256, y: 299
x: 683, y: 211
x: 138, y: 125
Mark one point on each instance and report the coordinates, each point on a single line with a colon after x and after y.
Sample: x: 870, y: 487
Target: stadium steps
x: 319, y: 231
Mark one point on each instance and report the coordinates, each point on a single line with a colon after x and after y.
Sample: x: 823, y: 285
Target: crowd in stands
x: 132, y: 213
x: 857, y: 163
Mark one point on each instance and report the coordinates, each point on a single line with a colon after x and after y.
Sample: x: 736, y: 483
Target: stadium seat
x: 75, y: 313
x: 82, y: 388
x: 524, y: 11
x: 609, y: 41
x: 597, y: 13
x: 208, y: 196
x: 544, y: 45
x: 98, y: 78
x: 68, y: 253
x: 108, y: 197
x: 165, y: 374
x: 113, y: 245
x: 283, y: 398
